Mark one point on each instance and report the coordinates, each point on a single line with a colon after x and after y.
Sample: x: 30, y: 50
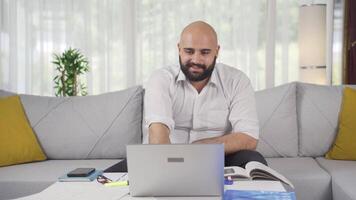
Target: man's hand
x: 232, y: 142
x: 158, y: 134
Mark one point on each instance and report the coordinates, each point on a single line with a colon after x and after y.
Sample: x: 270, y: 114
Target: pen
x: 117, y: 183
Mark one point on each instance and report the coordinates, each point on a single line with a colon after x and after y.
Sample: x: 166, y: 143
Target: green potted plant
x: 70, y: 65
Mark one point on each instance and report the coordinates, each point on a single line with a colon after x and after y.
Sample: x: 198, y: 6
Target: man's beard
x: 207, y: 71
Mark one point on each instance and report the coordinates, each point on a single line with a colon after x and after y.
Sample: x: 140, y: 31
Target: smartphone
x: 81, y: 172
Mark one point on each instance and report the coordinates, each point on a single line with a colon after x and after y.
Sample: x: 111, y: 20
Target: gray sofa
x: 298, y: 123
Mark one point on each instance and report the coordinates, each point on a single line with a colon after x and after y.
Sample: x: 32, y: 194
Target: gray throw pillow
x: 276, y: 110
x: 89, y: 127
x: 318, y: 109
x: 4, y: 93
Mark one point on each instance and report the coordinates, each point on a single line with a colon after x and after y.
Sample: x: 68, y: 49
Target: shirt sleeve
x: 243, y: 116
x: 158, y: 101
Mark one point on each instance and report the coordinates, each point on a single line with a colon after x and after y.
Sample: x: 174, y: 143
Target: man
x: 201, y: 101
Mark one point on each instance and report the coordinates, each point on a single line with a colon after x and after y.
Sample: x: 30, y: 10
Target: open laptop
x: 176, y: 170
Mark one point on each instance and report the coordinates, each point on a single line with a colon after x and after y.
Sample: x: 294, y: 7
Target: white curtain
x: 126, y: 40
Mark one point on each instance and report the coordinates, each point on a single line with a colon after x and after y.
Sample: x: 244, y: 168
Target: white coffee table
x: 96, y: 191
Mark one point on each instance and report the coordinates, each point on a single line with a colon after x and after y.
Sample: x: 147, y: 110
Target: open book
x: 255, y: 171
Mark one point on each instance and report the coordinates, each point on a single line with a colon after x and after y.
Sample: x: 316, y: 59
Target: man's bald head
x: 198, y: 49
x: 199, y: 30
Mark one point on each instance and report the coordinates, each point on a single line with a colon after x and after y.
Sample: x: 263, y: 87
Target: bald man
x: 200, y: 101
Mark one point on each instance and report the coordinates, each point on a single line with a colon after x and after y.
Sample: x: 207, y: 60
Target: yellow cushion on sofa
x: 18, y: 143
x: 344, y: 147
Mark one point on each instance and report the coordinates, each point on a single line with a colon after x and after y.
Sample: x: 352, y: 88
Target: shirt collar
x: 213, y: 77
x: 181, y: 76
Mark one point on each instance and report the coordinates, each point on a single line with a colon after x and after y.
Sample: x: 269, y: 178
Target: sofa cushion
x: 26, y: 179
x: 343, y: 175
x: 317, y: 109
x: 18, y: 143
x: 4, y: 93
x: 276, y: 110
x: 344, y: 147
x: 318, y: 112
x: 309, y: 179
x: 92, y: 127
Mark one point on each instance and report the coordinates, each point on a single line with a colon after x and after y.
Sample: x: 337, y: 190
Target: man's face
x: 197, y: 56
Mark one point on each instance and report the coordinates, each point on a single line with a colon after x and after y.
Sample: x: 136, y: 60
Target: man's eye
x: 205, y: 52
x: 189, y: 51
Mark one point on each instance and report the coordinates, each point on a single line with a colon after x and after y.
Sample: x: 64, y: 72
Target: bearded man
x: 201, y: 101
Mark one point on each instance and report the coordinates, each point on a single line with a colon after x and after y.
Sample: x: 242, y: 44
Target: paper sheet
x: 117, y: 176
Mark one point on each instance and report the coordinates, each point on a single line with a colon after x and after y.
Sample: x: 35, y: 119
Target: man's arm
x: 158, y: 134
x: 232, y: 142
x: 158, y: 107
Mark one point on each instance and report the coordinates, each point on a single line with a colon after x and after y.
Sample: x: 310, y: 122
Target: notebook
x: 89, y: 178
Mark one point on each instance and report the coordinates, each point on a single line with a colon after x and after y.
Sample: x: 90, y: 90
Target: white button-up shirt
x: 226, y: 104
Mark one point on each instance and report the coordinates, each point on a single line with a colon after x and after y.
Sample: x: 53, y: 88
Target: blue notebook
x: 89, y: 178
x: 254, y: 194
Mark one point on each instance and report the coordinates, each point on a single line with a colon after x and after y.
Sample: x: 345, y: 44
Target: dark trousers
x: 239, y: 158
x: 242, y: 157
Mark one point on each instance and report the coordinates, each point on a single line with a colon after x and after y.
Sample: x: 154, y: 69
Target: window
x: 126, y: 40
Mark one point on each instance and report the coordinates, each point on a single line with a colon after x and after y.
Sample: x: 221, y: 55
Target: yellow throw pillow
x: 344, y: 147
x: 18, y: 143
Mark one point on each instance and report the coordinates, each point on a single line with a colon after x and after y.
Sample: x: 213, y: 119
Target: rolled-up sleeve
x: 243, y: 115
x: 158, y: 100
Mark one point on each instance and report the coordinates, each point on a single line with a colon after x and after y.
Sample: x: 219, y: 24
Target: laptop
x: 176, y: 169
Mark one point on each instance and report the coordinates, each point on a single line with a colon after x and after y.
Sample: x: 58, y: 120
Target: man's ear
x: 178, y: 47
x: 217, y: 50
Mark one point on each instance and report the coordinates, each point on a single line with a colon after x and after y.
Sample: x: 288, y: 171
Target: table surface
x: 96, y: 191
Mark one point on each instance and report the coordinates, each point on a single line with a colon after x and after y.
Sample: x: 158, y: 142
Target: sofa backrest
x: 318, y: 113
x: 276, y: 110
x: 90, y: 127
x: 4, y: 93
x: 296, y: 119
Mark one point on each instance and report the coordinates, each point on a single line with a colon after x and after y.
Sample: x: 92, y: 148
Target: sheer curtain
x: 31, y: 31
x: 126, y: 40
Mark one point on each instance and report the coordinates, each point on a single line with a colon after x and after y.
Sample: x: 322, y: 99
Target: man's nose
x: 197, y: 58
